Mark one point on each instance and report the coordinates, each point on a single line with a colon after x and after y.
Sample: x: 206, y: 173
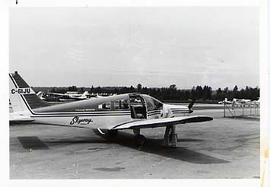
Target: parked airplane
x: 69, y: 96
x: 235, y: 101
x: 242, y: 101
x: 225, y: 101
x: 107, y: 114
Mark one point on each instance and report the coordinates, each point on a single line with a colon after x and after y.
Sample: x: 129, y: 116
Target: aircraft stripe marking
x: 127, y: 123
x: 62, y: 114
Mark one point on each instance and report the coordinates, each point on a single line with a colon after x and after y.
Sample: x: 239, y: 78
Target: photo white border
x: 4, y: 93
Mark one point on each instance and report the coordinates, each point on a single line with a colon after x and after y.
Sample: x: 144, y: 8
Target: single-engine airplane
x: 69, y: 96
x: 107, y: 114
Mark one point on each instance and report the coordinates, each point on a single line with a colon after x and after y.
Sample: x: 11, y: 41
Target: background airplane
x: 107, y: 114
x: 239, y: 101
x: 69, y: 96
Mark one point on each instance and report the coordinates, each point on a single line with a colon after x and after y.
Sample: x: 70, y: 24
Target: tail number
x: 21, y: 91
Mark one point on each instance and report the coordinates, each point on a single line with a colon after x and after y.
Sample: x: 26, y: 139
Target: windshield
x: 152, y: 103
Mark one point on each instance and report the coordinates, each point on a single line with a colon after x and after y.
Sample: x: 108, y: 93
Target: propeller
x: 191, y: 105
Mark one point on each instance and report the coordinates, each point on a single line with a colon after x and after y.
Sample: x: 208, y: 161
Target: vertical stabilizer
x: 22, y: 97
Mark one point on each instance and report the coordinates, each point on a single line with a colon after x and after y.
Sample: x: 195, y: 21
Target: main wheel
x: 112, y: 133
x: 140, y: 140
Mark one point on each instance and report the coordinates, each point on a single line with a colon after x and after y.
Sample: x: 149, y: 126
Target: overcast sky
x: 156, y: 47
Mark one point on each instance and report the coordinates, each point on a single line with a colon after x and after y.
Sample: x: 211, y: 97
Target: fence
x: 248, y: 110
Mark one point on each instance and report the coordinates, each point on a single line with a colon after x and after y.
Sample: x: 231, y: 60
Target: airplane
x: 242, y: 101
x: 107, y: 115
x: 69, y: 96
x: 225, y: 101
x: 235, y: 101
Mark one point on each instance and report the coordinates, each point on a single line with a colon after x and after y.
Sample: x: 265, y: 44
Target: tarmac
x: 222, y: 148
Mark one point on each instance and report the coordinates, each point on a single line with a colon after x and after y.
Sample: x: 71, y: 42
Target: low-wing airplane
x: 107, y: 114
x: 235, y: 101
x: 69, y: 96
x: 225, y: 101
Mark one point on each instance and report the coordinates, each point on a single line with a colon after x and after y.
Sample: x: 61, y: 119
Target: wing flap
x: 153, y: 123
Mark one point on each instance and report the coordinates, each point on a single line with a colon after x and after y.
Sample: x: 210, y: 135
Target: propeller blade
x: 191, y: 105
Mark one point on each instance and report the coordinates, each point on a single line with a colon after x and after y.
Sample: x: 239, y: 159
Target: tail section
x: 23, y: 98
x: 85, y: 94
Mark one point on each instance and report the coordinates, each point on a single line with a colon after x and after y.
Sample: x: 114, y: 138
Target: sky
x: 124, y: 46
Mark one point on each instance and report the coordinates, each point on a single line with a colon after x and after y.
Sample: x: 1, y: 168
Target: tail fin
x: 40, y: 94
x: 22, y: 97
x: 85, y: 94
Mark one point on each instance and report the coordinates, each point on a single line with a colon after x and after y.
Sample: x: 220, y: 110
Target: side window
x: 120, y: 104
x: 124, y: 104
x: 114, y: 105
x: 105, y: 106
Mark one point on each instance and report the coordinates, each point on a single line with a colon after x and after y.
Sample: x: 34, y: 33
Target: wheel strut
x: 170, y: 137
x: 139, y: 139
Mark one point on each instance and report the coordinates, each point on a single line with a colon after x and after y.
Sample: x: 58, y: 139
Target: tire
x: 140, y: 140
x: 112, y: 133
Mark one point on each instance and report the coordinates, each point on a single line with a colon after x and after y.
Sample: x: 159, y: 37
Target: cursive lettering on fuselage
x: 77, y: 120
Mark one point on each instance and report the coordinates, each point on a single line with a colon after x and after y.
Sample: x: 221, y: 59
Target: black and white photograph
x: 134, y: 92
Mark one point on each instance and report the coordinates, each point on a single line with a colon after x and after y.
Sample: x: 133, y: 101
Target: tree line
x: 172, y: 93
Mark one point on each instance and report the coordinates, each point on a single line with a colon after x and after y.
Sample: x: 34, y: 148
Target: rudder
x: 22, y: 97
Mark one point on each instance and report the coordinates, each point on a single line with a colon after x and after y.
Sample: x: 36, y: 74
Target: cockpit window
x: 152, y: 104
x: 158, y: 104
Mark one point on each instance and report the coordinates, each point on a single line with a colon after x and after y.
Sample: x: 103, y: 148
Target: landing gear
x: 170, y: 137
x: 112, y: 133
x: 107, y: 133
x: 139, y: 139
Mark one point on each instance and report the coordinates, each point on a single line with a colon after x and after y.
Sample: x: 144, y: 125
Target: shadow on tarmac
x: 153, y: 146
x: 32, y: 142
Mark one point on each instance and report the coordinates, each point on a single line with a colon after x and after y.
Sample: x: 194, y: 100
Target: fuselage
x: 107, y: 112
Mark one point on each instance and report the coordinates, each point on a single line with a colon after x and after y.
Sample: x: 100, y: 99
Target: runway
x: 222, y: 148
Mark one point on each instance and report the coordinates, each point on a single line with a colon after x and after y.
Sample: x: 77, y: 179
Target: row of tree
x: 171, y: 93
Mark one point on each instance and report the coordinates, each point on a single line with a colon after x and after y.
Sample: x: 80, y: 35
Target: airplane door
x: 137, y: 107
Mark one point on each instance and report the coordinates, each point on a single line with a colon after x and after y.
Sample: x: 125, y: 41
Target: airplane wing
x: 153, y: 123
